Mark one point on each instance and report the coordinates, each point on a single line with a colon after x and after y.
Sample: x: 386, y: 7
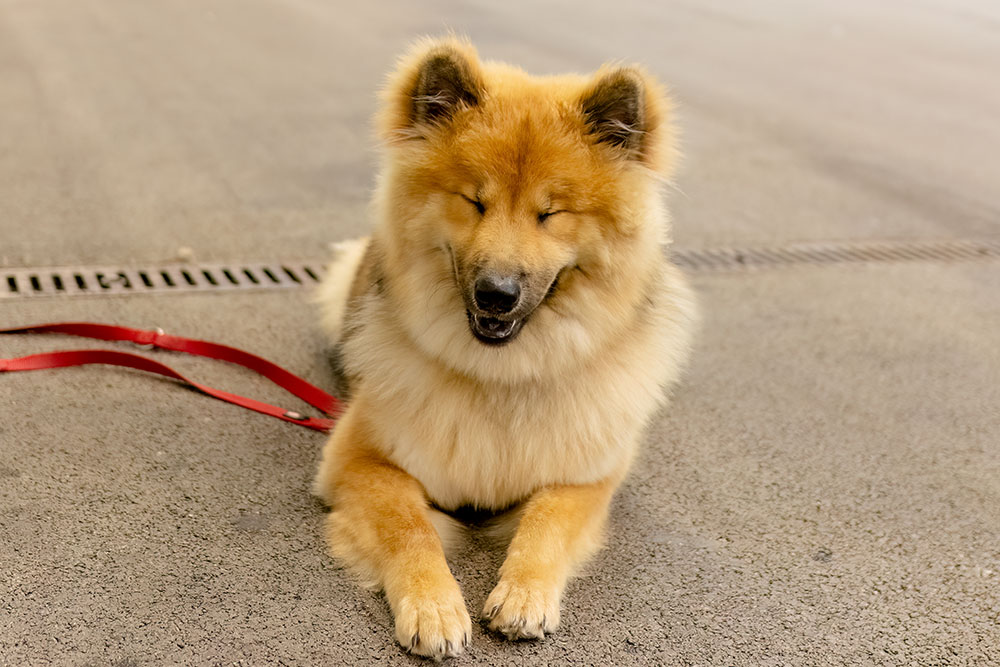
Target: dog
x: 507, y: 331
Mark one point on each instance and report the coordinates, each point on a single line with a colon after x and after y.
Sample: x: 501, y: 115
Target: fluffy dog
x: 508, y: 330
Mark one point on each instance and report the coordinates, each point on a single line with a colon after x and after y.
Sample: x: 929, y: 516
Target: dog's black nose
x: 497, y: 294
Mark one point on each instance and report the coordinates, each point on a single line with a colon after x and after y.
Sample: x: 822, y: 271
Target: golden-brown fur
x: 476, y: 156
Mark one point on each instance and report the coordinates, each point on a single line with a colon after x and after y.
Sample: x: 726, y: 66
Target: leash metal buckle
x: 157, y: 332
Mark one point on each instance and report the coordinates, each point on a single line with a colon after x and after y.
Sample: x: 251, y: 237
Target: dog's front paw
x: 433, y: 625
x: 522, y: 610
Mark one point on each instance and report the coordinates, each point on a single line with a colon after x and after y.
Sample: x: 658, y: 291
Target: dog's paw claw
x: 435, y: 627
x: 522, y: 611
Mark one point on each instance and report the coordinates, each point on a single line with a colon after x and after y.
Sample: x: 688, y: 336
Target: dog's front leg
x: 560, y: 527
x: 380, y: 526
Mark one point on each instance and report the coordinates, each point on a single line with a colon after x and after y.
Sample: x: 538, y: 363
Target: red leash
x: 293, y: 384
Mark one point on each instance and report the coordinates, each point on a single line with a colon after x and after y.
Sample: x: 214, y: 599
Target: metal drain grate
x: 81, y: 281
x: 736, y: 259
x: 181, y: 278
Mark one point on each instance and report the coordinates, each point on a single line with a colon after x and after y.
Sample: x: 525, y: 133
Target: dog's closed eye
x: 542, y: 217
x: 480, y: 206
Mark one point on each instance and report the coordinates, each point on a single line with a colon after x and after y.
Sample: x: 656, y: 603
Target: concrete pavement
x: 823, y: 491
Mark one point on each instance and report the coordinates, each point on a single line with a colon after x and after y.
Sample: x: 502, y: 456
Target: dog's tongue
x: 495, y: 327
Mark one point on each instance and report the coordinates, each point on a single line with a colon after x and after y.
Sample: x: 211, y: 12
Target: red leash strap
x: 309, y: 393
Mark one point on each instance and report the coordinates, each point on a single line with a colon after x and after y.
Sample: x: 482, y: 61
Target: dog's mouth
x: 492, y: 330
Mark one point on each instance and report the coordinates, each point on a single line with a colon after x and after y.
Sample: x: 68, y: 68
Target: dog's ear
x: 614, y: 110
x: 433, y: 84
x: 623, y: 108
x: 445, y: 83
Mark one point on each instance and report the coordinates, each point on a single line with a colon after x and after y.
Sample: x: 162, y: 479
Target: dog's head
x: 525, y: 208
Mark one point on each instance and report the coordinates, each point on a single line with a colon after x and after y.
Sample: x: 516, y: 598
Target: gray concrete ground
x: 825, y: 489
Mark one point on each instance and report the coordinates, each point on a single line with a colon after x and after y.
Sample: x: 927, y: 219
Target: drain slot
x: 114, y: 282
